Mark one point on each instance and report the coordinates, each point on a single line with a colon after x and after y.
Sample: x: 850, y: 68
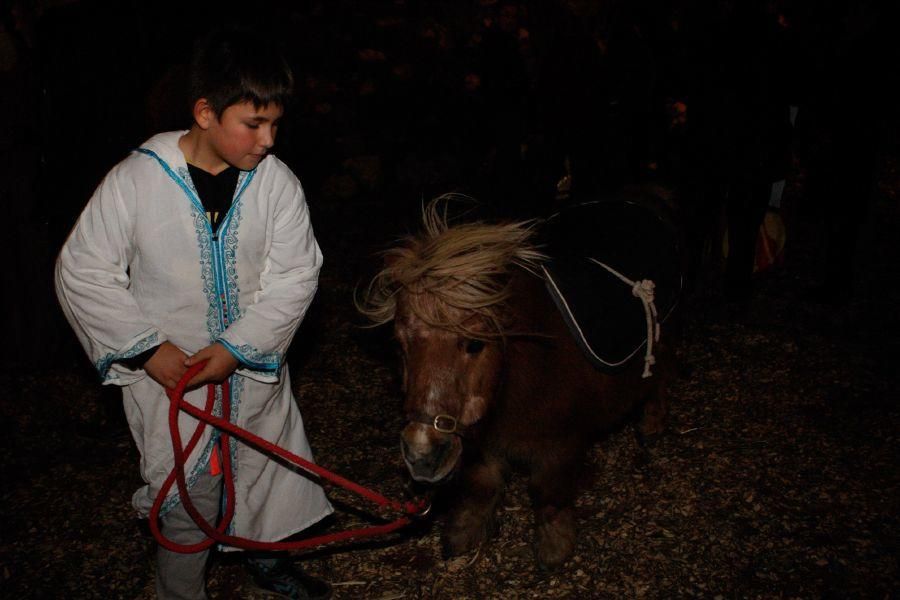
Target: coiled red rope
x: 217, y: 534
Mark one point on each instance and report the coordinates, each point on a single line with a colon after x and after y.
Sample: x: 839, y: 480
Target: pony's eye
x: 474, y: 346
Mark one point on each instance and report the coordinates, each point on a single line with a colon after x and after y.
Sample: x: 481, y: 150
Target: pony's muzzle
x: 430, y: 456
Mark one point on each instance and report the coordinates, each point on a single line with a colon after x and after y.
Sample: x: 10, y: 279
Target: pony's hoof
x: 457, y: 543
x: 647, y: 443
x: 551, y: 554
x: 651, y: 427
x: 555, y: 540
x: 458, y: 539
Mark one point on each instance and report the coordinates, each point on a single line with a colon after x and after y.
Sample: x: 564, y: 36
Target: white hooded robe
x: 142, y: 266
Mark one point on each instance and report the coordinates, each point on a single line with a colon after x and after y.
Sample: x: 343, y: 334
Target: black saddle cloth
x: 607, y: 320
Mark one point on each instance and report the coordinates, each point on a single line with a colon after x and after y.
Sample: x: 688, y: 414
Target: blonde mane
x: 450, y: 270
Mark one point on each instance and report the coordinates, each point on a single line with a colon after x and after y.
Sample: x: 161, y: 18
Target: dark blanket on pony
x: 607, y: 320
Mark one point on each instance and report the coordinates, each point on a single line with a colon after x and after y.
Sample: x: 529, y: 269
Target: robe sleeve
x: 260, y: 337
x: 92, y: 282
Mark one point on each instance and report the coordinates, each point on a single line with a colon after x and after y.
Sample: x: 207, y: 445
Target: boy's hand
x: 220, y: 366
x: 166, y: 366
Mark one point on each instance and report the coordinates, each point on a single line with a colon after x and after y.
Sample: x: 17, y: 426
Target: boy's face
x: 243, y: 134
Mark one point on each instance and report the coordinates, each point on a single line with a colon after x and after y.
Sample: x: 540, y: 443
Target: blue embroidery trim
x: 236, y: 388
x: 218, y: 253
x: 180, y: 181
x: 103, y: 365
x: 218, y: 259
x: 244, y: 180
x: 214, y: 321
x: 253, y: 358
x: 228, y: 242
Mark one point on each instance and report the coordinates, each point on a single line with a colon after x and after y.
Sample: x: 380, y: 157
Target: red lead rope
x: 217, y: 534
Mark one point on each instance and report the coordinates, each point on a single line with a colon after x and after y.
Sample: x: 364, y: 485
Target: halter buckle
x: 445, y: 423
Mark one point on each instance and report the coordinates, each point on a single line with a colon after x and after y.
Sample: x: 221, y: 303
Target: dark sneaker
x: 281, y: 577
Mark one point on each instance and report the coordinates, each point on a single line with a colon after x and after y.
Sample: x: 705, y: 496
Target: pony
x: 493, y: 380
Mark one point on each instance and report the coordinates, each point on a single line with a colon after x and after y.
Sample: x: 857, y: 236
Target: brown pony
x: 492, y: 377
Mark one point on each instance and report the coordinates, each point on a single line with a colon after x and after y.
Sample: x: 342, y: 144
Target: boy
x: 196, y: 247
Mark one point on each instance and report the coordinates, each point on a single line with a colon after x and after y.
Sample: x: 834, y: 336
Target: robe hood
x: 165, y: 146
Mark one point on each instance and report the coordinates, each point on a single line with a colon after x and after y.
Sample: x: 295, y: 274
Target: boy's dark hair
x: 235, y: 65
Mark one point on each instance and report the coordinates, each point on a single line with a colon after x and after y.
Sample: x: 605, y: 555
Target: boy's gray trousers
x: 183, y: 576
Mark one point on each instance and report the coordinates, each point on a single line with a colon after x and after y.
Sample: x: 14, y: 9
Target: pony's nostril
x: 404, y: 448
x: 441, y: 452
x: 414, y: 456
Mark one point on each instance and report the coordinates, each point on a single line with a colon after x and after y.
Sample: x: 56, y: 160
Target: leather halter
x: 441, y: 423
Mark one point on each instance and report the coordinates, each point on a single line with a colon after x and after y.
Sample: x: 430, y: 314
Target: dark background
x: 401, y: 100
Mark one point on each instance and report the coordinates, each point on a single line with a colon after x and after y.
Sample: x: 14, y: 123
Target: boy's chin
x: 250, y: 162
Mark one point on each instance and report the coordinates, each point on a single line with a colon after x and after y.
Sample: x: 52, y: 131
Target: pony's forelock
x: 453, y: 275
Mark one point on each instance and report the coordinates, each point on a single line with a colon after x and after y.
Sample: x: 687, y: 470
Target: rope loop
x: 409, y: 510
x: 645, y: 290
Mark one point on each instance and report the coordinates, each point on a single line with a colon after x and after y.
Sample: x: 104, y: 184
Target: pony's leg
x: 656, y: 408
x: 552, y: 488
x: 473, y: 521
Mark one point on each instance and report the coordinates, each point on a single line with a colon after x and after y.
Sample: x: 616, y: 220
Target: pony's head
x: 447, y: 291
